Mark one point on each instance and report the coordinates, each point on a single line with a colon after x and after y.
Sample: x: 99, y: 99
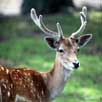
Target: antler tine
x: 60, y: 31
x: 46, y: 30
x: 83, y: 19
x: 39, y: 22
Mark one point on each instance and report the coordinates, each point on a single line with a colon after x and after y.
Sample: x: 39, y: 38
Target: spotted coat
x: 22, y: 85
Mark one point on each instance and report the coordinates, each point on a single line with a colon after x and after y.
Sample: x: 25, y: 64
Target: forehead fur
x: 68, y: 42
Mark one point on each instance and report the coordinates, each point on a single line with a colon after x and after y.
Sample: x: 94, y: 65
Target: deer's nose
x: 76, y: 64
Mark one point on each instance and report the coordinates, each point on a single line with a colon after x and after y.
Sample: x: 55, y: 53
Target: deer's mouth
x: 70, y: 66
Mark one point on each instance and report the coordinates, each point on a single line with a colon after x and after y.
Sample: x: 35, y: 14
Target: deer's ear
x: 83, y: 40
x: 52, y: 43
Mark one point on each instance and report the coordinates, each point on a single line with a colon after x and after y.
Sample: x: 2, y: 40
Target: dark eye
x: 77, y: 40
x: 61, y: 50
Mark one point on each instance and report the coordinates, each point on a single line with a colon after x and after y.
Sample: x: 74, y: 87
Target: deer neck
x: 56, y: 78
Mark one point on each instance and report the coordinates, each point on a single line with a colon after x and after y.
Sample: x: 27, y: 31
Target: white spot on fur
x: 42, y: 92
x: 21, y: 98
x: 7, y: 71
x: 2, y: 68
x: 8, y: 94
x: 4, y: 85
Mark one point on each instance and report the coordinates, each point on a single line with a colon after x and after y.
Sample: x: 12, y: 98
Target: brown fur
x: 22, y: 82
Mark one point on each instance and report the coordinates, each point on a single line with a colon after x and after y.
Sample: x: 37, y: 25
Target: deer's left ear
x: 52, y: 43
x: 83, y: 40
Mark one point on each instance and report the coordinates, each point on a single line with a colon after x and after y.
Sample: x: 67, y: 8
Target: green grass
x: 22, y: 44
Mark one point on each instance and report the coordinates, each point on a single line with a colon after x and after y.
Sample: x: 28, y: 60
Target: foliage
x: 45, y: 6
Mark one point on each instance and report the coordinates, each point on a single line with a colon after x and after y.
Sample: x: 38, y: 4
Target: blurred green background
x: 22, y: 45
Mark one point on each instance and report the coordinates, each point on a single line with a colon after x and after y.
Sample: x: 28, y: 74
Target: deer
x: 28, y: 85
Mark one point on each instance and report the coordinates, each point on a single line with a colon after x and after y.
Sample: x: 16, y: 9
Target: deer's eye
x: 61, y: 50
x: 77, y: 40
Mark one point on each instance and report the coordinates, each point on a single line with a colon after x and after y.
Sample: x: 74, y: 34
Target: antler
x: 83, y: 19
x: 39, y: 22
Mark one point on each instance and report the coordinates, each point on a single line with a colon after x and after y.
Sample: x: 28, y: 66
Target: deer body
x: 25, y: 85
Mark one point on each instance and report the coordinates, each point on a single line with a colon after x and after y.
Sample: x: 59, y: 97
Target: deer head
x: 66, y: 47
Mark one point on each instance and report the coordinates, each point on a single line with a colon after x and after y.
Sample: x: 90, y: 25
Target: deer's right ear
x: 52, y: 43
